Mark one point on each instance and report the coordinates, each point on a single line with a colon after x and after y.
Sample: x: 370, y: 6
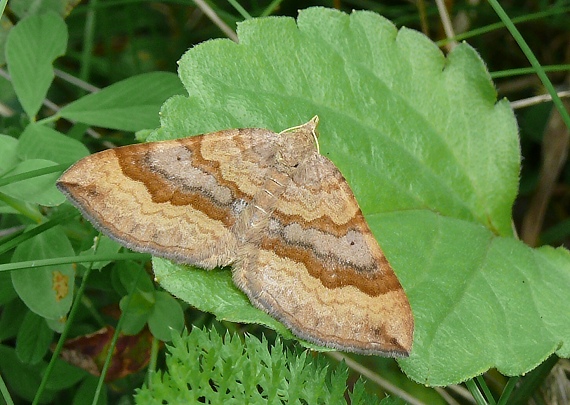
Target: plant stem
x: 532, y: 59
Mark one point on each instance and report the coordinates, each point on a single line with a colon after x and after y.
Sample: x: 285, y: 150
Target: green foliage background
x: 429, y: 148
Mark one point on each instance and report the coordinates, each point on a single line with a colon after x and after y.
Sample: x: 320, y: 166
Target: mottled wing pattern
x: 269, y: 205
x: 320, y: 271
x: 175, y: 199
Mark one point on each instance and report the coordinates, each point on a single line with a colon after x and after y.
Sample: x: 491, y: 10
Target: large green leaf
x: 479, y: 300
x: 31, y: 48
x: 432, y: 157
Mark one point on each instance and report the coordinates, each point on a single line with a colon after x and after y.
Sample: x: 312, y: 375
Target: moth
x: 270, y: 206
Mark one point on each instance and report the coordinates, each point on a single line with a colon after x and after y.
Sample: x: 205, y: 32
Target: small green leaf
x: 57, y: 325
x: 105, y: 245
x: 138, y: 312
x: 47, y: 291
x: 26, y: 8
x: 38, y: 190
x: 86, y: 392
x: 130, y: 105
x: 34, y: 338
x: 5, y: 27
x: 32, y: 46
x: 41, y: 142
x: 11, y: 318
x: 65, y: 375
x: 130, y: 277
x: 166, y: 317
x: 7, y: 292
x: 8, y: 156
x: 23, y: 379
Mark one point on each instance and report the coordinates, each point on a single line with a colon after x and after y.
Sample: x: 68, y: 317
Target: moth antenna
x: 311, y: 126
x: 315, y: 119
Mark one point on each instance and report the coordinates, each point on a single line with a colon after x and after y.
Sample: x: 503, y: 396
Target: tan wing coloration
x: 319, y: 270
x: 269, y: 205
x: 174, y: 199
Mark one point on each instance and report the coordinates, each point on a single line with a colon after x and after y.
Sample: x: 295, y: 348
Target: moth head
x: 297, y: 144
